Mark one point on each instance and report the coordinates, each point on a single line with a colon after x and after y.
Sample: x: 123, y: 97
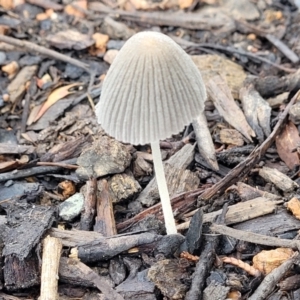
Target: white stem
x: 163, y: 188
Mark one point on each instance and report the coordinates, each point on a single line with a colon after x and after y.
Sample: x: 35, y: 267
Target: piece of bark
x: 220, y: 93
x: 137, y: 287
x: 73, y: 238
x: 7, y: 148
x: 231, y: 137
x: 71, y: 270
x: 257, y: 111
x: 290, y: 283
x: 255, y: 238
x: 105, y: 220
x: 204, y: 141
x: 280, y: 180
x: 117, y: 270
x: 240, y: 212
x: 27, y: 232
x: 106, y: 248
x: 67, y: 150
x: 17, y: 87
x: 123, y: 187
x: 271, y: 280
x: 49, y: 275
x: 215, y: 291
x: 178, y: 178
x: 193, y: 236
x: 279, y: 224
x: 167, y: 275
x: 21, y: 273
x: 19, y: 189
x: 235, y: 155
x: 90, y: 198
x: 247, y: 192
x: 103, y: 157
x: 205, y: 264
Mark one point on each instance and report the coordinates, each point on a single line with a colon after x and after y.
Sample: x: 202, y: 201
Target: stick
x: 49, y: 277
x: 42, y: 50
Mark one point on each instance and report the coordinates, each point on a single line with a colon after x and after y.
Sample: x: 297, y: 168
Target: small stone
x: 72, y: 207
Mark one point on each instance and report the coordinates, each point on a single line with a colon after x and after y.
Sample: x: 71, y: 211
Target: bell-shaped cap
x: 151, y: 90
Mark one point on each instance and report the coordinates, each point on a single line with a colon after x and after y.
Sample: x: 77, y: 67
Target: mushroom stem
x: 163, y: 189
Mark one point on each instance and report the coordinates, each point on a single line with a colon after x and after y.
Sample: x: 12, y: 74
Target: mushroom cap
x: 151, y: 90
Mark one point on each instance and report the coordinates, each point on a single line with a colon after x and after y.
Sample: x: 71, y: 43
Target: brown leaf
x: 56, y: 95
x: 286, y: 142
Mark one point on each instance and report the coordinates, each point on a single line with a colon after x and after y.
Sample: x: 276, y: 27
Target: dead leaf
x: 220, y: 94
x: 286, y: 142
x: 267, y: 261
x: 294, y: 206
x: 56, y: 95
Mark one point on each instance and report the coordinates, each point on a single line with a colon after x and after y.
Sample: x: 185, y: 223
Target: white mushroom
x: 151, y: 91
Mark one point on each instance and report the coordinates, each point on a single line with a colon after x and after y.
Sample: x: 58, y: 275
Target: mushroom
x: 151, y: 91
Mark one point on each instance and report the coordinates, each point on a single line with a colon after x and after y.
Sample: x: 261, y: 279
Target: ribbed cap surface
x: 151, y: 91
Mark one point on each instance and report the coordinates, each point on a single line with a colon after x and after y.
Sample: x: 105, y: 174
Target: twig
x: 49, y: 277
x: 157, y: 210
x: 255, y: 238
x: 250, y: 55
x: 243, y: 169
x: 42, y: 50
x: 17, y: 174
x: 270, y: 281
x: 57, y: 164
